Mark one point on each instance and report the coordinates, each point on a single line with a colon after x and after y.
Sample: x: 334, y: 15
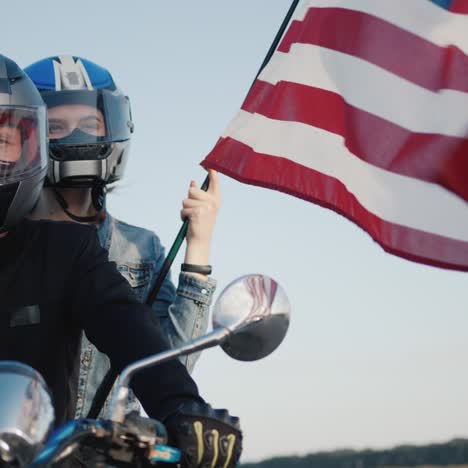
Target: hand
x: 201, y: 208
x: 207, y: 437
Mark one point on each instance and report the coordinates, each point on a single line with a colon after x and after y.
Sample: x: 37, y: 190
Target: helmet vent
x: 72, y: 78
x: 70, y: 74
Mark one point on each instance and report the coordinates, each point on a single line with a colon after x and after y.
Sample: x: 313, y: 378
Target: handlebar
x: 138, y: 441
x: 65, y: 440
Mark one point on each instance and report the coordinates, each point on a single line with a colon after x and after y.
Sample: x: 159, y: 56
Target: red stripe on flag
x: 240, y: 162
x: 459, y: 6
x: 433, y: 158
x: 383, y: 44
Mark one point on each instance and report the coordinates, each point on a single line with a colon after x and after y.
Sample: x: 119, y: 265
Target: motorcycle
x: 250, y: 320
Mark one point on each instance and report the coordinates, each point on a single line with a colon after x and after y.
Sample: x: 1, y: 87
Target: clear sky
x: 377, y: 349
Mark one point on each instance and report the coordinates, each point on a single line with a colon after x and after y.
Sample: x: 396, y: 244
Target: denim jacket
x: 183, y: 314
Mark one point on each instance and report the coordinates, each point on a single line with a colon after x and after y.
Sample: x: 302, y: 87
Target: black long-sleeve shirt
x: 55, y: 282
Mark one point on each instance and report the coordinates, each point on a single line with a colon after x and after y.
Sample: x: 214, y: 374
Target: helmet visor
x: 22, y: 149
x: 82, y: 117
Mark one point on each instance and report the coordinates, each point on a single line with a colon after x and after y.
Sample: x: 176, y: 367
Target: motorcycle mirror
x: 250, y: 320
x: 256, y: 310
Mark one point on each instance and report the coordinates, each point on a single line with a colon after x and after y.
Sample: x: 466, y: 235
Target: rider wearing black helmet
x: 56, y: 282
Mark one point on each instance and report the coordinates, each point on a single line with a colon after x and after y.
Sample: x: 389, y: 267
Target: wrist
x: 197, y: 253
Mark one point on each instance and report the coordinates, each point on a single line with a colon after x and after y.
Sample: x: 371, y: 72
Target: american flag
x: 363, y: 108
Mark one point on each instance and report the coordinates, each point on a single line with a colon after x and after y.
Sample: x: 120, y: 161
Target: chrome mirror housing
x: 256, y: 310
x: 26, y: 413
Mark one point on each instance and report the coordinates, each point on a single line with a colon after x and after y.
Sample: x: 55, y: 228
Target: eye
x: 90, y: 125
x: 56, y: 128
x: 91, y: 121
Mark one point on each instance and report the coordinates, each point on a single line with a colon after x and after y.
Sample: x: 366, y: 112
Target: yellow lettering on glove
x: 215, y: 434
x: 232, y: 440
x: 198, y: 427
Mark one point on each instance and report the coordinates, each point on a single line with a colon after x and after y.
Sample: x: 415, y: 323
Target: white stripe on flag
x: 421, y: 17
x: 371, y: 88
x: 392, y: 197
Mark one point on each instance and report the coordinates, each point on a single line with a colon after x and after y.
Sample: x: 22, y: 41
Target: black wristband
x: 191, y: 268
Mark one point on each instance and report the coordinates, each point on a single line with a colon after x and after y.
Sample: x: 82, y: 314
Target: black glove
x: 207, y: 437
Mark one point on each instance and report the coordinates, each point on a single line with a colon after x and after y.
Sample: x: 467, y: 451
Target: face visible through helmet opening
x: 20, y: 147
x: 77, y: 133
x: 83, y: 124
x: 67, y: 119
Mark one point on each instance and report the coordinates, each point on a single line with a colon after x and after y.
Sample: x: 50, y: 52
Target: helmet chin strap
x: 98, y: 197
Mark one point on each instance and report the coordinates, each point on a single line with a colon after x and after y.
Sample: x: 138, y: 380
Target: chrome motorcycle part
x: 26, y: 412
x: 256, y: 310
x: 250, y: 320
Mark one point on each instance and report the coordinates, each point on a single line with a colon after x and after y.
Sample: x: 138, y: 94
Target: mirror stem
x: 207, y: 341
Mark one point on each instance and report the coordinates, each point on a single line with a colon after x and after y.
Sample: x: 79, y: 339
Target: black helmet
x: 92, y: 148
x: 23, y: 144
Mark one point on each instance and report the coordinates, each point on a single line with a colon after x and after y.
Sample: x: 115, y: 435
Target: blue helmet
x: 90, y: 122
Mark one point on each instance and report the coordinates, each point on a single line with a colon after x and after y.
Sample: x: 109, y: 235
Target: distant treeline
x: 454, y: 452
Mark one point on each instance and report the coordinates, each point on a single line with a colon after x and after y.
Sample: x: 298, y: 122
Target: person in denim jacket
x: 90, y: 126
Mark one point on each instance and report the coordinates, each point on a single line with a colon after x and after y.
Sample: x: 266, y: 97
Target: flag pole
x: 108, y: 381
